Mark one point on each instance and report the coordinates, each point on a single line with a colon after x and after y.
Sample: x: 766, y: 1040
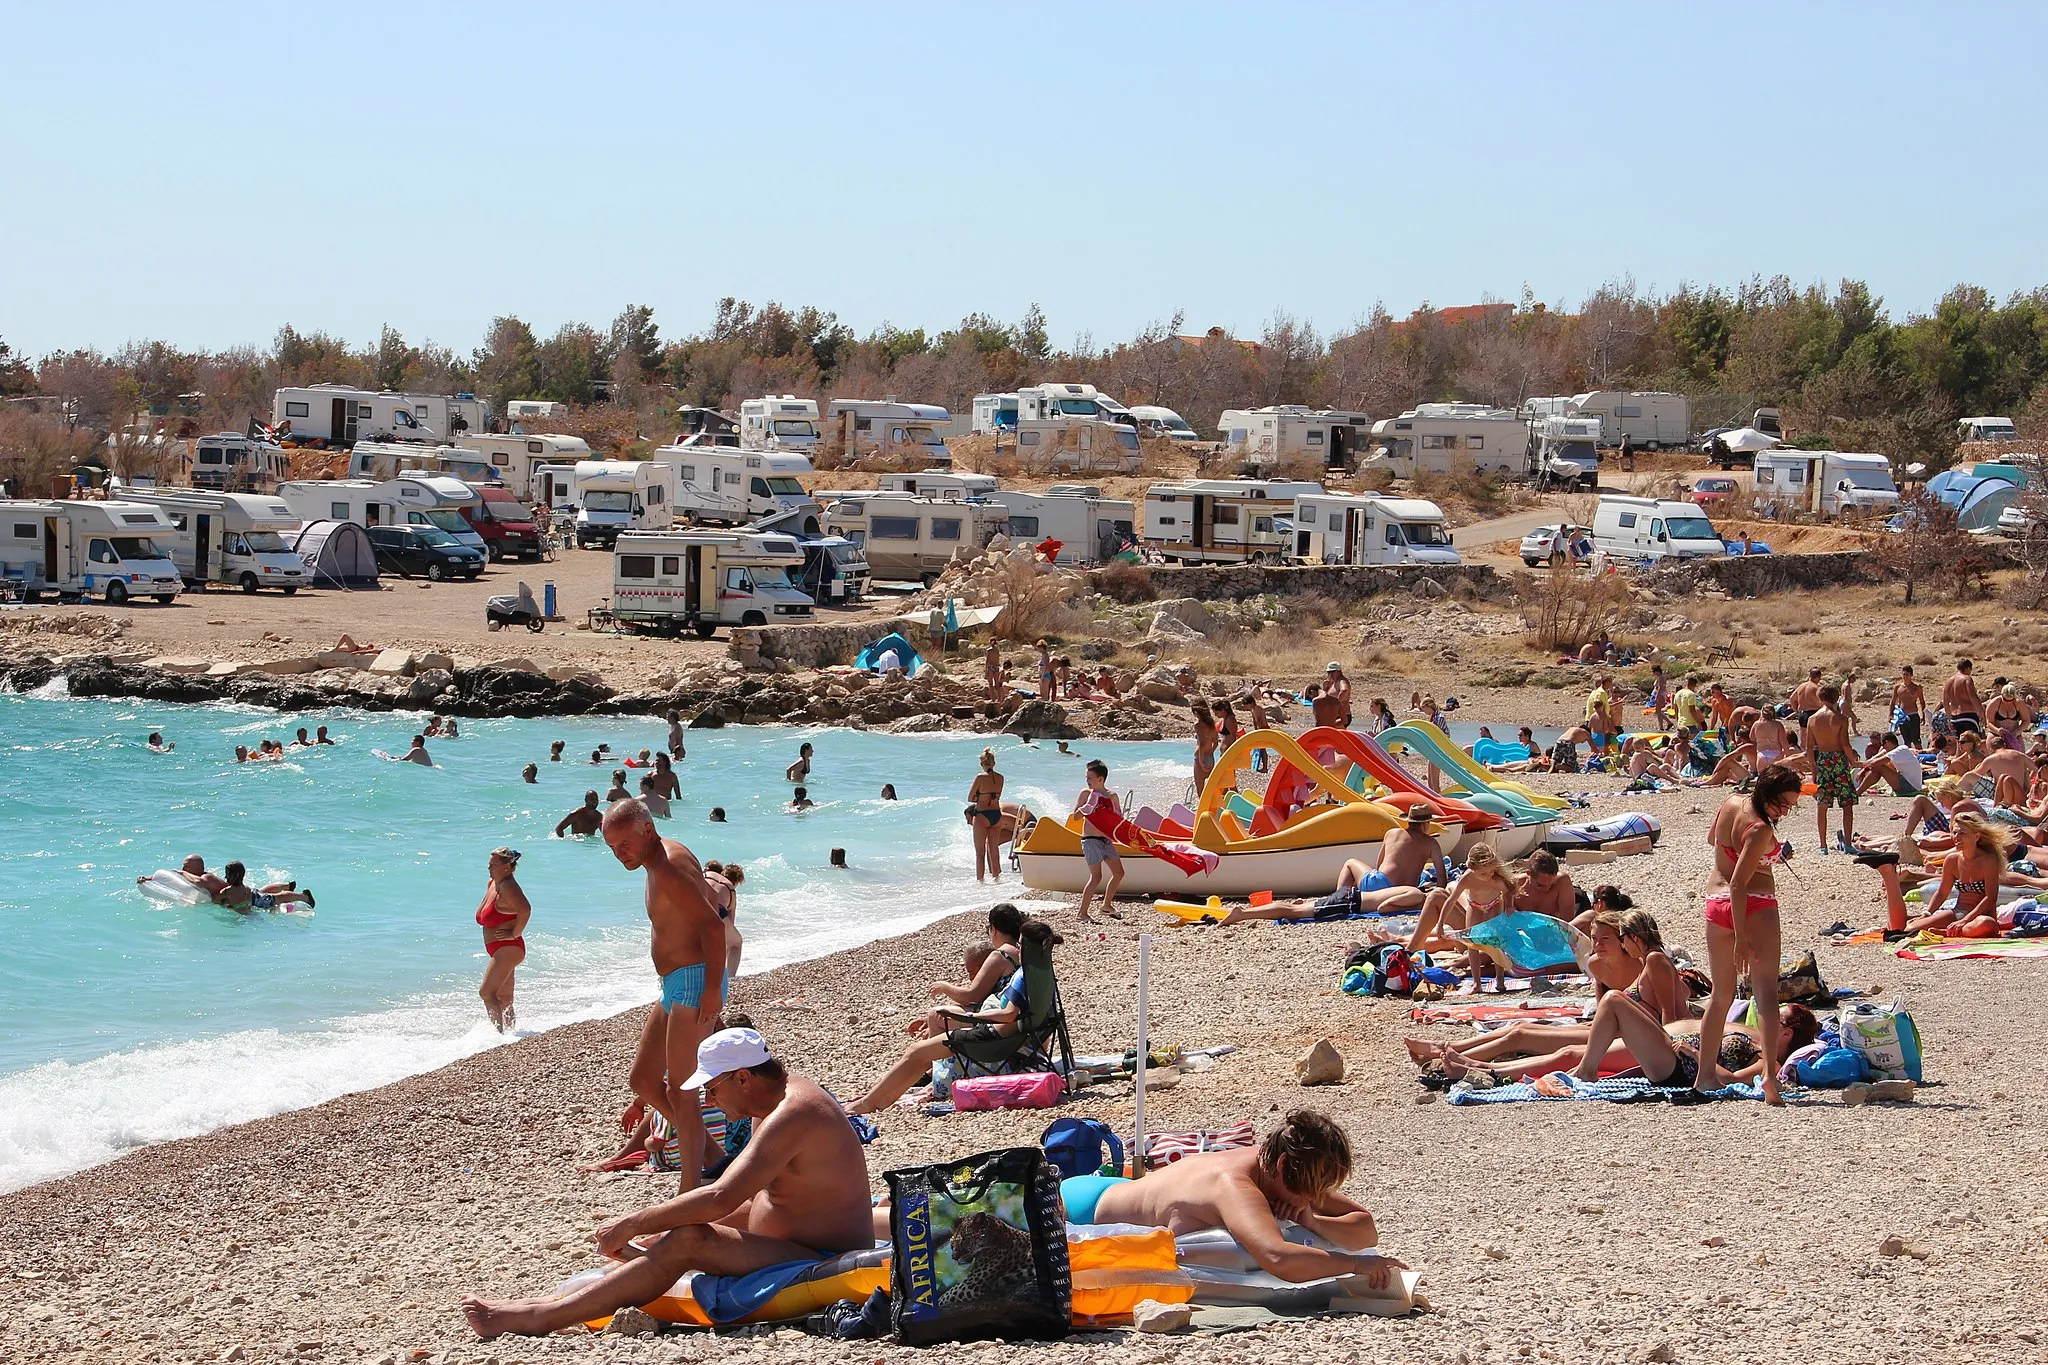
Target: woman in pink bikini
x: 503, y: 917
x: 1742, y: 919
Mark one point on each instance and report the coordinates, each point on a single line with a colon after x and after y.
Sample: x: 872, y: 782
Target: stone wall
x: 813, y: 646
x: 1340, y: 582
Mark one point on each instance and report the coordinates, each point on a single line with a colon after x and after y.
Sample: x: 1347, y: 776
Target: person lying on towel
x: 1296, y: 1174
x: 797, y: 1191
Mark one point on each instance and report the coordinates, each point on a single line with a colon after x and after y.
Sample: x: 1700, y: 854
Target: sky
x: 206, y: 173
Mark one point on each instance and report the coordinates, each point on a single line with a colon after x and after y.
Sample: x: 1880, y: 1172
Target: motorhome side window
x: 1656, y: 530
x: 180, y: 520
x: 758, y: 487
x: 24, y: 530
x: 689, y: 473
x: 1628, y: 518
x: 636, y: 566
x: 298, y: 409
x: 863, y: 424
x: 1336, y: 521
x: 1262, y: 526
x: 336, y: 511
x: 1763, y: 478
x: 503, y: 461
x: 738, y: 580
x: 1795, y: 475
x: 208, y: 455
x: 1167, y: 521
x: 1027, y: 438
x: 893, y: 528
x: 1628, y: 412
x: 945, y: 528
x: 1226, y: 514
x: 655, y: 492
x: 1475, y: 443
x: 671, y: 565
x: 1023, y: 526
x: 362, y: 410
x: 1433, y: 442
x: 1394, y: 533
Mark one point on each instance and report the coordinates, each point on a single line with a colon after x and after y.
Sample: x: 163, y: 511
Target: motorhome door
x: 56, y: 549
x: 1339, y: 453
x: 1204, y: 509
x: 1357, y: 527
x: 202, y: 545
x: 342, y: 421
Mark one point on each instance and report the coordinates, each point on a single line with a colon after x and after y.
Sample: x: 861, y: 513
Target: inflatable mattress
x: 1600, y: 833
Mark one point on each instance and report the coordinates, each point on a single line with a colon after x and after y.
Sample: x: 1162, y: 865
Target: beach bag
x: 1019, y: 1090
x: 1082, y: 1147
x: 1801, y: 983
x: 1834, y: 1068
x: 979, y: 1249
x: 1385, y: 969
x: 1163, y: 1149
x: 1886, y: 1037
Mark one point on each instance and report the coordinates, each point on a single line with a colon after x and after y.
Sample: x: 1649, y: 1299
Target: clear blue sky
x: 206, y: 172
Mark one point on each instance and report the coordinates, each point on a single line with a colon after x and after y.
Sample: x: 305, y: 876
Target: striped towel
x: 1163, y: 1149
x: 1614, y: 1089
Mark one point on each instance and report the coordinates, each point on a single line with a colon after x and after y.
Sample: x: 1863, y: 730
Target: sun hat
x: 1333, y: 667
x: 1420, y: 813
x: 728, y: 1050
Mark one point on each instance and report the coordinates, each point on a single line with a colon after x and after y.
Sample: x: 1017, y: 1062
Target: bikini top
x: 488, y: 914
x: 1734, y: 852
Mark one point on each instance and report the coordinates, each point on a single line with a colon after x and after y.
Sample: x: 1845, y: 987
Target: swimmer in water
x: 617, y: 791
x: 530, y: 774
x: 717, y: 816
x: 320, y: 736
x: 585, y: 819
x: 237, y: 894
x: 664, y: 778
x: 241, y: 753
x: 416, y: 754
x: 302, y: 742
x: 193, y: 870
x: 839, y: 858
x: 158, y: 745
x: 555, y: 751
x: 801, y: 769
x: 650, y: 797
x: 597, y: 758
x: 802, y: 800
x: 888, y: 791
x: 675, y: 735
x: 985, y: 808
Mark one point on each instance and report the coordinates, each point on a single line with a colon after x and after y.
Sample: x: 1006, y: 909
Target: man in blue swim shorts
x: 1393, y: 887
x: 688, y: 934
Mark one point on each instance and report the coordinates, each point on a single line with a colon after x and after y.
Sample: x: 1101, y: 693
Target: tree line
x: 1835, y: 360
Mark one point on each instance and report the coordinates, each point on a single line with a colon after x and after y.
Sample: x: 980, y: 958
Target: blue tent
x: 871, y: 657
x: 1976, y: 498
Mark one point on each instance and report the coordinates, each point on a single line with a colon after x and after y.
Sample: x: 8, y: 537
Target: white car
x: 1557, y: 545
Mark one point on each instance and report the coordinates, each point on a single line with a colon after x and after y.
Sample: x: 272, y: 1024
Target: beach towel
x: 1614, y: 1090
x: 1472, y: 1011
x: 1526, y: 943
x: 728, y: 1298
x: 1926, y: 947
x: 1118, y: 829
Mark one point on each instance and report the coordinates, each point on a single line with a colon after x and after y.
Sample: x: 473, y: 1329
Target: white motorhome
x: 1651, y: 420
x: 534, y: 410
x: 1565, y: 450
x: 337, y: 414
x: 1344, y: 528
x: 865, y: 425
x: 1646, y: 530
x: 1452, y: 438
x: 1222, y: 521
x: 554, y: 489
x: 1986, y: 429
x: 1163, y: 423
x: 1090, y: 528
x: 908, y: 538
x: 1080, y: 445
x: 727, y: 486
x: 936, y: 484
x: 231, y: 462
x: 1084, y: 402
x: 1262, y: 435
x: 388, y: 459
x: 514, y: 458
x: 415, y: 499
x: 70, y: 548
x: 787, y: 423
x: 234, y: 538
x: 1825, y: 483
x: 671, y: 581
x: 613, y: 496
x: 994, y: 414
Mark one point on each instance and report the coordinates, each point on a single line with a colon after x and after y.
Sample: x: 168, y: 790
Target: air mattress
x: 172, y: 888
x: 1602, y: 832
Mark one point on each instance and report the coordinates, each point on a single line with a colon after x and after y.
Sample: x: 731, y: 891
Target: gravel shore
x: 347, y: 1232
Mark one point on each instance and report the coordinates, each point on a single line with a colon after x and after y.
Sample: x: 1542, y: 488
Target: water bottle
x: 547, y: 600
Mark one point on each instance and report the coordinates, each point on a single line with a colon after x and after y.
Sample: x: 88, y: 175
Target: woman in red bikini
x: 1742, y: 920
x: 503, y: 916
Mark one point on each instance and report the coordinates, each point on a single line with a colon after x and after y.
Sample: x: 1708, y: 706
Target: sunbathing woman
x: 1669, y: 1054
x: 997, y: 1018
x: 1743, y: 931
x: 1973, y: 871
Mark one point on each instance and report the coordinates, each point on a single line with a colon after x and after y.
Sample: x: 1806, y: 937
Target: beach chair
x: 1040, y: 1042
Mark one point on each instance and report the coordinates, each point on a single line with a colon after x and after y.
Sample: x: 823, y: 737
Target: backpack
x: 1394, y: 970
x: 1077, y: 1147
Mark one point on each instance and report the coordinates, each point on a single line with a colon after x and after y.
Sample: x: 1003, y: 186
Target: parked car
x: 428, y: 550
x: 1711, y: 489
x: 1555, y: 545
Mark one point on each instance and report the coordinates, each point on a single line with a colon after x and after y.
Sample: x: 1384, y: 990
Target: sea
x: 127, y: 1020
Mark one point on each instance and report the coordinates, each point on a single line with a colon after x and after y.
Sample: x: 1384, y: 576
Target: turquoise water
x: 125, y: 1020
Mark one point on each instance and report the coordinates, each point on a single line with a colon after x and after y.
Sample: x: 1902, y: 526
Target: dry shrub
x: 38, y: 448
x: 1032, y: 599
x: 1126, y: 582
x: 1313, y: 610
x: 1564, y: 611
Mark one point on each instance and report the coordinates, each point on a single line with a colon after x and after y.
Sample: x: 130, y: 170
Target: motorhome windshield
x: 1690, y: 528
x: 1579, y: 450
x: 1429, y: 534
x: 1077, y: 407
x: 136, y: 547
x: 265, y: 543
x: 793, y: 427
x: 507, y: 509
x: 1178, y: 424
x: 601, y: 500
x: 844, y: 555
x: 784, y: 486
x: 448, y: 520
x: 1875, y: 479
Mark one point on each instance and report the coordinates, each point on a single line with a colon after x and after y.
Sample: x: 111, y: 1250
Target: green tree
x: 15, y: 375
x: 508, y: 363
x: 635, y: 337
x: 395, y: 359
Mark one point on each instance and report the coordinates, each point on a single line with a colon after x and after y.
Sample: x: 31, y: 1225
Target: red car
x: 1709, y: 489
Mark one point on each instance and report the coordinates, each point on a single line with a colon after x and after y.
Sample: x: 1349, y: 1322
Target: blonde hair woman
x: 984, y: 813
x: 1973, y: 871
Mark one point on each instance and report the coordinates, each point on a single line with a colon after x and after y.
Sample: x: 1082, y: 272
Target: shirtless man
x: 193, y: 870
x: 1323, y: 709
x: 1834, y: 768
x: 1805, y: 699
x: 1295, y: 1174
x: 664, y: 778
x: 1337, y: 686
x: 1909, y: 704
x: 1546, y: 888
x: 416, y: 754
x: 158, y: 745
x: 797, y: 1191
x: 1959, y: 698
x: 585, y: 819
x: 689, y: 939
x: 2003, y: 777
x: 1393, y: 886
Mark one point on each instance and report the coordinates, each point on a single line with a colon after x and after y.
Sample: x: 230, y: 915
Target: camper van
x: 415, y: 499
x: 237, y: 538
x: 117, y: 550
x: 725, y: 486
x: 505, y: 523
x: 1341, y: 528
x: 1452, y: 438
x: 1222, y: 521
x: 1090, y: 528
x: 553, y: 490
x: 787, y: 424
x: 1077, y: 445
x: 907, y: 538
x: 339, y: 415
x: 1646, y: 530
x: 1163, y: 424
x: 1651, y: 421
x: 514, y: 458
x: 994, y: 414
x: 1824, y: 483
x: 938, y: 484
x: 864, y: 425
x: 522, y: 410
x: 622, y: 495
x: 1073, y: 402
x: 1986, y: 429
x: 1565, y: 451
x: 1262, y: 435
x: 671, y: 581
x: 229, y: 462
x: 835, y: 570
x: 388, y: 459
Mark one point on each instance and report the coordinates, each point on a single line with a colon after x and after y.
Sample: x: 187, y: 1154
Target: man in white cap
x: 1337, y: 689
x: 798, y: 1191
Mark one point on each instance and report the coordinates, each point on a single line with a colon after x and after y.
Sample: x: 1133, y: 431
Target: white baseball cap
x: 728, y: 1050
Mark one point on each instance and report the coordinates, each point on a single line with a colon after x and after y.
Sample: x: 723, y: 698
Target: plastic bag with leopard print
x: 980, y: 1249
